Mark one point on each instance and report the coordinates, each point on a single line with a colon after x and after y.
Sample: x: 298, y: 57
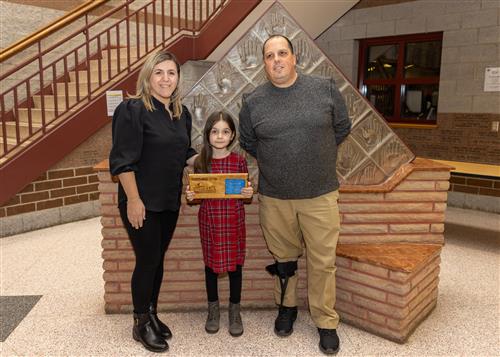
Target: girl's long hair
x: 143, y: 87
x: 202, y: 161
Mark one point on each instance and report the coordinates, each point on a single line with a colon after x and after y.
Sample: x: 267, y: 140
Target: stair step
x: 11, y: 143
x: 113, y: 55
x: 49, y: 101
x: 123, y: 52
x: 94, y: 64
x: 23, y: 129
x: 61, y: 88
x: 94, y: 75
x: 36, y: 115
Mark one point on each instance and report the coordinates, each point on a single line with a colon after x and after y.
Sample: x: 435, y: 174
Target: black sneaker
x: 283, y: 326
x: 328, y: 341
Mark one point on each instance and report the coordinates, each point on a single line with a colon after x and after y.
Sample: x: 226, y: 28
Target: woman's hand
x: 136, y: 212
x: 189, y: 194
x: 247, y: 192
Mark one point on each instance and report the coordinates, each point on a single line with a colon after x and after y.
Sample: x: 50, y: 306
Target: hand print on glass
x: 368, y: 173
x: 250, y: 53
x: 370, y: 133
x: 276, y: 24
x: 235, y: 105
x: 306, y: 53
x: 325, y: 69
x: 356, y: 104
x: 201, y: 104
x: 391, y: 155
x: 222, y: 80
x: 349, y: 156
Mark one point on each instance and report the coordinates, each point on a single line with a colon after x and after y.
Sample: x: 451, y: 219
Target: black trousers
x: 150, y: 244
x: 235, y: 282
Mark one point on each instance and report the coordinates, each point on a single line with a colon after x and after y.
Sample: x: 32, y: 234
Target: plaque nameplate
x: 217, y: 185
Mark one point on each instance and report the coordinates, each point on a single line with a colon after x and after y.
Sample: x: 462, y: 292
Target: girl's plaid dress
x: 222, y: 222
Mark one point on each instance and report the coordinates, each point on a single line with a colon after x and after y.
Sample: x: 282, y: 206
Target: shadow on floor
x: 472, y: 237
x: 13, y: 309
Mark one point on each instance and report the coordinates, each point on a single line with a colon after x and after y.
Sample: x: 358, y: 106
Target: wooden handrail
x: 73, y: 15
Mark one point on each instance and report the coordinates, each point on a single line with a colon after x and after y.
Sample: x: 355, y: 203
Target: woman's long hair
x: 202, y: 162
x: 143, y: 87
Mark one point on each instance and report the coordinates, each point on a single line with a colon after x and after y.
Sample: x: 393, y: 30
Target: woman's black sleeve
x: 127, y: 131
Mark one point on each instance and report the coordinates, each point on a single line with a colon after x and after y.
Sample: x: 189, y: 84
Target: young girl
x: 222, y: 221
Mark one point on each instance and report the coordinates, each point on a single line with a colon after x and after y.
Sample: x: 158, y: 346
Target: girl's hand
x: 247, y: 192
x: 136, y: 212
x: 189, y: 194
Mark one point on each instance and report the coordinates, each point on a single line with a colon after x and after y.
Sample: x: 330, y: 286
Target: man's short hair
x: 290, y: 46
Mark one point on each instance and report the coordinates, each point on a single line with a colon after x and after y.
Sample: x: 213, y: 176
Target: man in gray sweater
x: 292, y: 125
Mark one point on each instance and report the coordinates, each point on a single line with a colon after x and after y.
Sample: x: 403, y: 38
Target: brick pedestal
x: 387, y: 289
x: 408, y: 210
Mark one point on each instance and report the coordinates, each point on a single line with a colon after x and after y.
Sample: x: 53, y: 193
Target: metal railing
x: 68, y: 64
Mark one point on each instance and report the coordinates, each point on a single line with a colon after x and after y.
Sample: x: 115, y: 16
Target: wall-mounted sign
x: 492, y: 79
x: 113, y: 98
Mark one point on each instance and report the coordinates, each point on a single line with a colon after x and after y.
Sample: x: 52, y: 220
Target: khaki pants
x: 285, y: 223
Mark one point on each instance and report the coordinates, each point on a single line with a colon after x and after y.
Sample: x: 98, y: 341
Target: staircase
x: 52, y: 109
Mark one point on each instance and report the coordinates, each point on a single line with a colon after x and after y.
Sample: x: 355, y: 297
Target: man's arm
x: 248, y: 139
x: 341, y: 121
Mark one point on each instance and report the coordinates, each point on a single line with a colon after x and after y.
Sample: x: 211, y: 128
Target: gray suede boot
x: 235, y: 323
x: 213, y: 318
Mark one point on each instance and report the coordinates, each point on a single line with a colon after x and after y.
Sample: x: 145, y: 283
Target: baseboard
x: 31, y: 221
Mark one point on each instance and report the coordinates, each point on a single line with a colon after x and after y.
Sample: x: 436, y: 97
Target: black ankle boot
x: 160, y: 328
x: 328, y: 341
x: 144, y: 332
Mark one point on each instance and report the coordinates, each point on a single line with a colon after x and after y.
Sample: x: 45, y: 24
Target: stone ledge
x: 397, y: 257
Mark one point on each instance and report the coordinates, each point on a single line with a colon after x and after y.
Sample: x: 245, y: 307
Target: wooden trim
x: 473, y: 168
x: 363, y: 4
x: 412, y: 126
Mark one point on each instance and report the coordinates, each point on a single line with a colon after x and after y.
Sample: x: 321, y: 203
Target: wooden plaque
x: 217, y: 185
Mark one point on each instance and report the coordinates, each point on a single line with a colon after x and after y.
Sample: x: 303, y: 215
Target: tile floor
x: 63, y: 264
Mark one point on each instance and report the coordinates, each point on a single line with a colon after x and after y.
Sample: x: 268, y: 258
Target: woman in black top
x: 151, y: 146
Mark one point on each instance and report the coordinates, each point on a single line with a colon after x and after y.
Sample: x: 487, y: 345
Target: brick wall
x: 488, y: 186
x: 412, y: 212
x: 54, y: 188
x: 458, y: 137
x: 65, y: 193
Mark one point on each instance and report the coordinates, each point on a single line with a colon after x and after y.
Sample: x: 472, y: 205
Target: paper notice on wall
x: 113, y: 98
x: 492, y: 79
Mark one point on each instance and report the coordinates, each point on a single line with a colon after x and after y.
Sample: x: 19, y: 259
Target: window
x: 400, y: 76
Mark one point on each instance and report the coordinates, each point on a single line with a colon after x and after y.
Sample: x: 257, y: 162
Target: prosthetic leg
x: 283, y: 326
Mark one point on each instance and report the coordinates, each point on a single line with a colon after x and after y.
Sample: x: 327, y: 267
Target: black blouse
x: 155, y: 147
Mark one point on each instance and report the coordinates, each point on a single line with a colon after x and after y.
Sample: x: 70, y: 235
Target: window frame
x: 398, y: 81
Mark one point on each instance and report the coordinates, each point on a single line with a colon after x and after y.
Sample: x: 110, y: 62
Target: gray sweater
x: 293, y: 133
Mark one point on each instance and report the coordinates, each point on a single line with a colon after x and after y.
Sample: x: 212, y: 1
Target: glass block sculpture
x: 370, y: 155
